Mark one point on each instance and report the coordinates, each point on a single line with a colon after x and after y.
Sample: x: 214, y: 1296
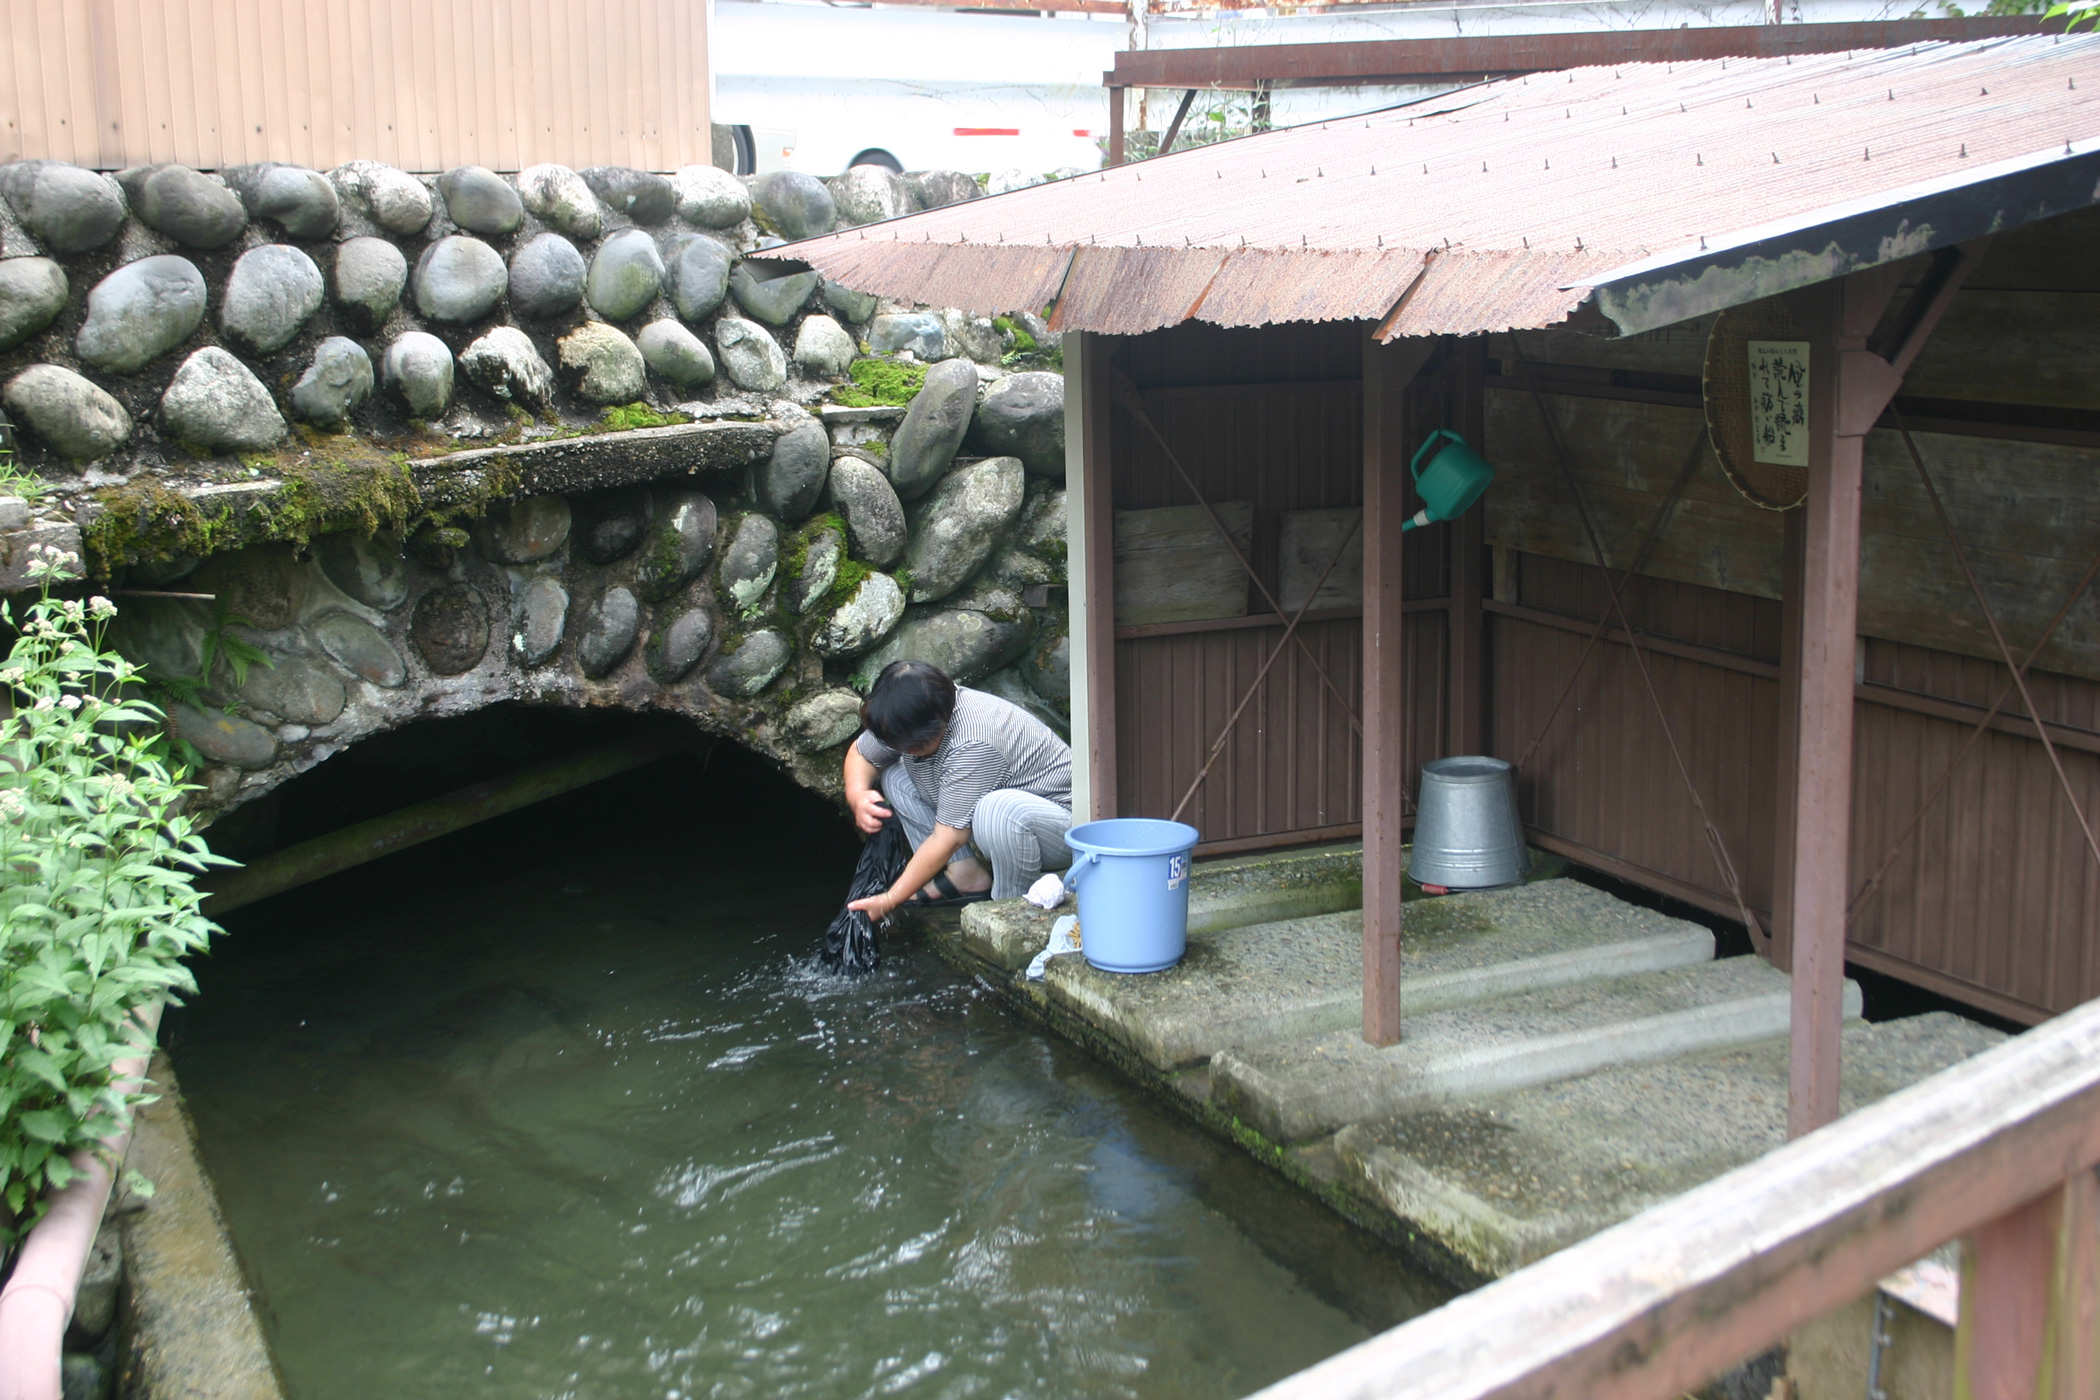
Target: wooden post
x: 2030, y: 1300
x: 1095, y: 575
x: 1467, y: 732
x: 1385, y: 374
x: 1115, y: 125
x: 1848, y: 388
x: 1795, y: 538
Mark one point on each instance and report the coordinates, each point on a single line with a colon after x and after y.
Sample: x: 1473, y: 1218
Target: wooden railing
x: 1998, y: 1151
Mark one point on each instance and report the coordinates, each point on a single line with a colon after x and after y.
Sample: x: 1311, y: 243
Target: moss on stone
x: 852, y: 574
x: 1024, y: 343
x: 338, y: 483
x: 880, y: 383
x: 627, y: 417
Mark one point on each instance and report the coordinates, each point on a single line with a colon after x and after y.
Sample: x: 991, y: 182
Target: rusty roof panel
x: 1127, y: 291
x: 1262, y: 285
x: 1463, y: 292
x: 985, y: 278
x: 1529, y: 183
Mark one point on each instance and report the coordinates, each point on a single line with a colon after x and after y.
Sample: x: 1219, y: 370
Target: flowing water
x: 564, y: 1107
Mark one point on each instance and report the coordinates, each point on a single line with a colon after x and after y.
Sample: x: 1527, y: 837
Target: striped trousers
x: 1017, y: 833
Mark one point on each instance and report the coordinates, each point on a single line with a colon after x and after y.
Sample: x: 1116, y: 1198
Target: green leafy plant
x: 97, y: 905
x: 219, y: 641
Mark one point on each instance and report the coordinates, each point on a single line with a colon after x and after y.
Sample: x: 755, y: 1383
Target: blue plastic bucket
x: 1132, y: 874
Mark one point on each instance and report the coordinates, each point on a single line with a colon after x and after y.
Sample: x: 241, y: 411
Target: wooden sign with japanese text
x: 1779, y: 402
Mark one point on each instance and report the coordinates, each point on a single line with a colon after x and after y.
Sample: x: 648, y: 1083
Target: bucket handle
x: 1414, y: 466
x: 1079, y: 868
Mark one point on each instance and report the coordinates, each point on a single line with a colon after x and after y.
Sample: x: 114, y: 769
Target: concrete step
x: 1270, y: 981
x: 1303, y: 1087
x: 1506, y: 1183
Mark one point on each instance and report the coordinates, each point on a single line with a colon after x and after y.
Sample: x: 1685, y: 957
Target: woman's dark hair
x: 910, y: 703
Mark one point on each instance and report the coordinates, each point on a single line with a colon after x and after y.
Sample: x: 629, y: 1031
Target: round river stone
x: 451, y: 628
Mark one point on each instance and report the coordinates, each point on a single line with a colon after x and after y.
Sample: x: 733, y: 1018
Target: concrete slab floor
x: 1505, y: 1182
x: 1297, y: 1088
x: 1587, y: 1100
x: 1268, y: 981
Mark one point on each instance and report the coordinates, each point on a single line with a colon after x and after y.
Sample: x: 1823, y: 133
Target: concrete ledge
x: 1293, y: 1090
x: 193, y: 1331
x: 561, y: 465
x: 1504, y: 1183
x: 1298, y: 977
x: 1241, y: 890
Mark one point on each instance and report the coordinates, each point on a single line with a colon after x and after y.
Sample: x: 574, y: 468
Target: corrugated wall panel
x: 1273, y: 418
x: 423, y: 84
x: 1996, y: 891
x: 1602, y: 777
x: 1994, y: 899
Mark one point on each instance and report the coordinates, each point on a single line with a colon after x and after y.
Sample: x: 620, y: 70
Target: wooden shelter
x: 1800, y: 717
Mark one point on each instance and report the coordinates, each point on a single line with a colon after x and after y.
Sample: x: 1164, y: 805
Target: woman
x: 962, y: 770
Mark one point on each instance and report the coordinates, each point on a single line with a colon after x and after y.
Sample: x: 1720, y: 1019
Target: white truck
x: 817, y: 87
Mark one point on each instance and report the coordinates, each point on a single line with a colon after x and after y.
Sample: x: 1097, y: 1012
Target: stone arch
x: 651, y: 596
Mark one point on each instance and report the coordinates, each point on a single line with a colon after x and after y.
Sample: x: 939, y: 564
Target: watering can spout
x: 1452, y: 480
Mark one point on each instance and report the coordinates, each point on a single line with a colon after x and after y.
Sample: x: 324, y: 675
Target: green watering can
x: 1454, y: 479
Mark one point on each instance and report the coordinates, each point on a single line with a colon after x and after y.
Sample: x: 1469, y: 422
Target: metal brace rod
x: 1174, y: 127
x: 1127, y: 395
x: 1990, y: 619
x: 1723, y: 861
x: 1626, y: 579
x: 1263, y: 674
x: 1977, y: 731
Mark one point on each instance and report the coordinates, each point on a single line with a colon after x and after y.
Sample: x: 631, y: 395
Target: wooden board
x: 1678, y: 349
x: 2013, y: 347
x: 1173, y: 566
x: 2026, y: 514
x: 1306, y: 545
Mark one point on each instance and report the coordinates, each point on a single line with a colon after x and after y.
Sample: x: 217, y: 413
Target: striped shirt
x: 989, y: 744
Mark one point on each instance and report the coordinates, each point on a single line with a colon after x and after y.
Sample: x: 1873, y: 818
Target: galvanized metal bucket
x: 1467, y: 835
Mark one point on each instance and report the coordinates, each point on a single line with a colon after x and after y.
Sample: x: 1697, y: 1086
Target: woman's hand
x: 869, y: 809
x: 877, y: 906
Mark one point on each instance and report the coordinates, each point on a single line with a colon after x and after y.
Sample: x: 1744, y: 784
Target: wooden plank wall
x: 421, y: 84
x: 1274, y: 419
x: 1995, y: 900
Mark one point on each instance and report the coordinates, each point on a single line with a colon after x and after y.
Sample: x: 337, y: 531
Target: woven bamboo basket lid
x: 1726, y: 385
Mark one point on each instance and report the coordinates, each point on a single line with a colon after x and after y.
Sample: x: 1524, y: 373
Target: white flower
x: 13, y: 675
x: 101, y: 606
x: 69, y: 702
x: 11, y: 804
x: 73, y: 610
x: 44, y: 704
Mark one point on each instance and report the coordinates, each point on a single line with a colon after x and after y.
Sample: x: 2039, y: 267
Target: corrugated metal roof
x: 1503, y: 205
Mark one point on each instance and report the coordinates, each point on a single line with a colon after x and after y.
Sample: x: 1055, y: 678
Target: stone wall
x: 430, y: 444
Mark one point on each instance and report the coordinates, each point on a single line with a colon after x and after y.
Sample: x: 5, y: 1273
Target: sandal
x: 950, y: 896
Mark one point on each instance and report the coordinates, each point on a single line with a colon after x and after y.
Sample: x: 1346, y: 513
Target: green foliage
x: 880, y: 383
x: 219, y: 641
x: 16, y: 482
x: 2074, y: 12
x: 1220, y: 116
x: 97, y: 905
